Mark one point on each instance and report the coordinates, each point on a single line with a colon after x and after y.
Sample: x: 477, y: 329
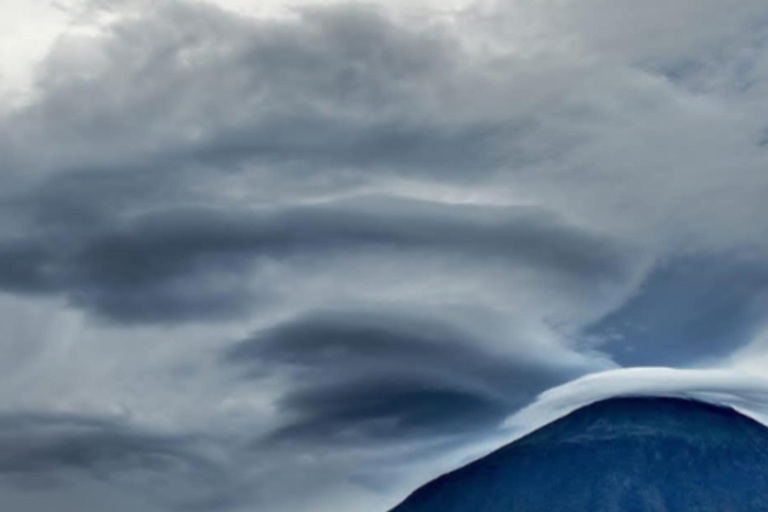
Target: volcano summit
x: 635, y: 454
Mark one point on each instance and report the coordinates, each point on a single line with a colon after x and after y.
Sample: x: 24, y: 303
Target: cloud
x: 38, y: 444
x: 341, y: 87
x: 194, y: 263
x: 345, y: 98
x: 745, y: 393
x: 363, y: 376
x: 57, y: 454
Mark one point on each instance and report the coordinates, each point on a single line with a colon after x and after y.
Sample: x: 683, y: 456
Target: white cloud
x: 746, y: 393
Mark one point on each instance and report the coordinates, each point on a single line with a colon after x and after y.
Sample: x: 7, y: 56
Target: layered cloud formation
x: 305, y: 257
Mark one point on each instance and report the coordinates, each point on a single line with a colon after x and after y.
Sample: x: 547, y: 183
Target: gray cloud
x: 54, y: 454
x: 364, y: 376
x: 341, y: 88
x: 160, y: 266
x: 38, y: 445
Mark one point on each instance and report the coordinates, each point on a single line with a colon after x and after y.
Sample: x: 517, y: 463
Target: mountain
x: 638, y: 454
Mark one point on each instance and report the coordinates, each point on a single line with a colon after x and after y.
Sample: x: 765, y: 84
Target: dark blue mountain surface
x: 618, y: 455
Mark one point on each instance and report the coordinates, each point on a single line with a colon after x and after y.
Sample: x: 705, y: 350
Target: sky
x: 306, y: 256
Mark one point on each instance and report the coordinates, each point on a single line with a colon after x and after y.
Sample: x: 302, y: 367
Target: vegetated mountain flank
x: 638, y: 454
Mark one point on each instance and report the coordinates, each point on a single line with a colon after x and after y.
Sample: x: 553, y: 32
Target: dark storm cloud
x: 365, y: 376
x: 691, y: 309
x: 161, y: 266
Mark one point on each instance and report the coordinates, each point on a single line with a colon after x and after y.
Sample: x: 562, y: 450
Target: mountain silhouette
x: 638, y: 454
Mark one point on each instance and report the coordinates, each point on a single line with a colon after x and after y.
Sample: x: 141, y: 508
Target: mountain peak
x: 633, y: 454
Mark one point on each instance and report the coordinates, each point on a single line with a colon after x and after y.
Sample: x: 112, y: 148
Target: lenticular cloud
x: 746, y: 393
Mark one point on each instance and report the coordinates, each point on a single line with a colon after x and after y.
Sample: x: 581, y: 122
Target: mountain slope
x: 618, y: 455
